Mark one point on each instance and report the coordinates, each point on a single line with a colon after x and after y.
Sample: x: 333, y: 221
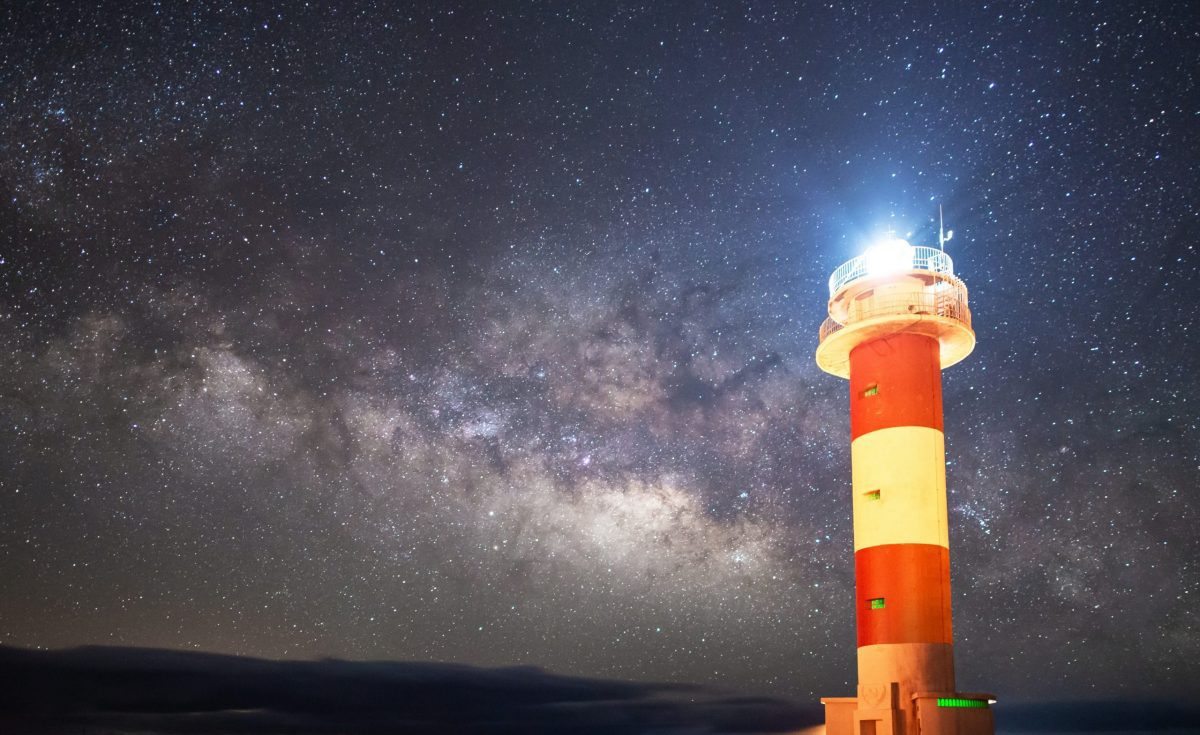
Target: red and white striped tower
x: 897, y: 317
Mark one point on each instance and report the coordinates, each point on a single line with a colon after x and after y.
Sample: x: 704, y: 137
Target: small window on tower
x: 871, y: 390
x: 876, y: 603
x: 872, y: 494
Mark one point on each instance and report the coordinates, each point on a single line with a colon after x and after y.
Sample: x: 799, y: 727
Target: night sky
x: 448, y: 333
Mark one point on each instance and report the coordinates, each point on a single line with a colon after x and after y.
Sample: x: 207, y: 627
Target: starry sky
x: 483, y: 333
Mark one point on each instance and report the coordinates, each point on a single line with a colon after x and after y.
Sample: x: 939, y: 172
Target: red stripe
x: 913, y: 580
x: 895, y: 381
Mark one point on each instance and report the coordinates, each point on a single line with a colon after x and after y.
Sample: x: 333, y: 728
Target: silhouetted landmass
x: 110, y: 691
x: 131, y: 690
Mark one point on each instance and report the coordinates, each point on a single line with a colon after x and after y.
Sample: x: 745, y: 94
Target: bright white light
x: 891, y: 255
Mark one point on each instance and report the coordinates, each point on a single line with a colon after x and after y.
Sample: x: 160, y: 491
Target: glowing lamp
x: 889, y: 256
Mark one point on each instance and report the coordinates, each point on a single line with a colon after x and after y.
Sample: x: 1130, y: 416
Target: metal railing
x: 948, y: 299
x: 923, y: 259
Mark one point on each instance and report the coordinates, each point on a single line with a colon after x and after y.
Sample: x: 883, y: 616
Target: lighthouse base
x: 927, y: 713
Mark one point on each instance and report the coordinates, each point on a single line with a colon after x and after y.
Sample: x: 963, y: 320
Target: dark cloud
x: 123, y: 690
x: 137, y: 690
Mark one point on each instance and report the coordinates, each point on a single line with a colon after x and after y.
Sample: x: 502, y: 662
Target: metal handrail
x: 950, y: 303
x: 923, y: 259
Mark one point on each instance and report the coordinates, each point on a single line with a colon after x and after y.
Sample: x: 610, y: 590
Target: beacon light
x: 890, y: 255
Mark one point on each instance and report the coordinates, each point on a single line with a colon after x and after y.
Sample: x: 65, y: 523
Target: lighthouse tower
x: 897, y: 316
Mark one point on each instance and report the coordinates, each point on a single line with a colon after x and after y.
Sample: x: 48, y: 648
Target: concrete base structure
x: 878, y: 710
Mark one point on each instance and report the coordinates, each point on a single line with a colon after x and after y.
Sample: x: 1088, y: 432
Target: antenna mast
x: 941, y: 230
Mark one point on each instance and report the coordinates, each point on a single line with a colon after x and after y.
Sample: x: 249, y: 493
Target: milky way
x: 485, y: 335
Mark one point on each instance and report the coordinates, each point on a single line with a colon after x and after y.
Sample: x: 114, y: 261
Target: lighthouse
x: 898, y: 316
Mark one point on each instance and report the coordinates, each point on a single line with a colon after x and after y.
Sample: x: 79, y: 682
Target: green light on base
x: 877, y: 603
x: 960, y: 702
